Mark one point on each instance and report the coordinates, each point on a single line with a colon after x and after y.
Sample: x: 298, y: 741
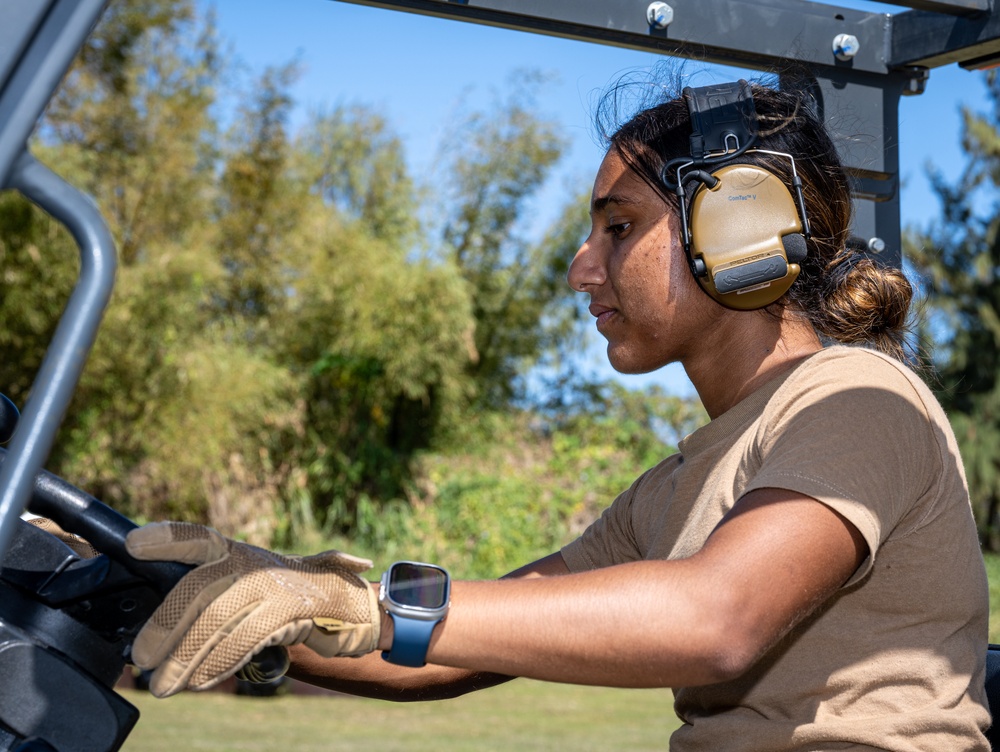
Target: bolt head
x: 659, y: 15
x: 845, y: 46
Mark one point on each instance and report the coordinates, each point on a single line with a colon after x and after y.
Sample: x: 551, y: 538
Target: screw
x: 845, y: 46
x: 659, y: 15
x: 917, y: 82
x: 876, y: 245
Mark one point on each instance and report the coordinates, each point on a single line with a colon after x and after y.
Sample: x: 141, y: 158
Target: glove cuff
x: 331, y: 638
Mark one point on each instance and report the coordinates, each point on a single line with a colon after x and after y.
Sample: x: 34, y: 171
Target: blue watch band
x: 410, y: 640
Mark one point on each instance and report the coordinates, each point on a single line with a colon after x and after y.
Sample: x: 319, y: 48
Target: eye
x: 618, y: 229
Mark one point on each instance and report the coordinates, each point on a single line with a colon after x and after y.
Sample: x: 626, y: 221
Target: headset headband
x: 723, y: 126
x: 723, y: 120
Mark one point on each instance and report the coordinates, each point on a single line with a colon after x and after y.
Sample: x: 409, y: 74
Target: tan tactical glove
x: 241, y: 599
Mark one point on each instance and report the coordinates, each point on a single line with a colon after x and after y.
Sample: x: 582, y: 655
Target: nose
x: 587, y: 268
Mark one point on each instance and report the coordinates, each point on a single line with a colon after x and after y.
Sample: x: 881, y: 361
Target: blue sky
x: 416, y: 70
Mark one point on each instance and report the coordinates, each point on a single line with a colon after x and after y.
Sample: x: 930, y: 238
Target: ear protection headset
x: 744, y: 234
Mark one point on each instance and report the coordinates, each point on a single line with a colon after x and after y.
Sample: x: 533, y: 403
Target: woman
x: 804, y: 572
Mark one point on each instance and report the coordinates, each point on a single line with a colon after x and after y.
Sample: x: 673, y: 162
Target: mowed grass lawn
x: 993, y: 572
x: 522, y: 715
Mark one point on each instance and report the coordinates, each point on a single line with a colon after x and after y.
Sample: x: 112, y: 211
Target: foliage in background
x: 520, y: 303
x: 352, y: 159
x: 40, y: 266
x: 382, y: 356
x: 957, y: 261
x: 132, y: 124
x: 290, y: 354
x: 523, y: 485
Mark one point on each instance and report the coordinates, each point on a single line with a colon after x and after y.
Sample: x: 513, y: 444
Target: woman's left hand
x: 240, y: 599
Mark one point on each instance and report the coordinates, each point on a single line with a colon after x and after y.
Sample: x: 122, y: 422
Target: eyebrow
x: 599, y: 204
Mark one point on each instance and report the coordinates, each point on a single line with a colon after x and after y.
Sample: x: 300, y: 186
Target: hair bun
x: 867, y: 302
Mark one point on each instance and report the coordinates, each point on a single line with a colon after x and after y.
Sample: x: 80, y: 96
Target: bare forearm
x: 635, y: 628
x: 371, y: 676
x: 574, y: 629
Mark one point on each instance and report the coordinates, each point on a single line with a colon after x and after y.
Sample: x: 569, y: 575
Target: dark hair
x: 846, y: 295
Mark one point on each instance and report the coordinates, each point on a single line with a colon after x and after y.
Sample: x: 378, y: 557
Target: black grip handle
x: 78, y: 512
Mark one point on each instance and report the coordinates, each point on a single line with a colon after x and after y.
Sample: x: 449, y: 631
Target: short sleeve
x: 853, y: 432
x: 609, y: 540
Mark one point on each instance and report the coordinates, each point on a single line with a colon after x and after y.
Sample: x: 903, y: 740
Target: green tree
x: 132, y: 123
x: 396, y: 344
x: 128, y: 125
x: 380, y: 336
x: 957, y: 260
x: 519, y: 296
x: 40, y: 263
x: 353, y: 160
x: 257, y: 205
x: 131, y: 126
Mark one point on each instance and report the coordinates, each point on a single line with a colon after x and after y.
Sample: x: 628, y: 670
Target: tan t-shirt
x: 896, y: 659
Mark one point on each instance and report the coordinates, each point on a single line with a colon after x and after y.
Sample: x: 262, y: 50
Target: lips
x: 602, y: 313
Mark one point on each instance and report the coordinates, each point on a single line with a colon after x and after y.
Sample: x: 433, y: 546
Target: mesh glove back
x: 240, y: 599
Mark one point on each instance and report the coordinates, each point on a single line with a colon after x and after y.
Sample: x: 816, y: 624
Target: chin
x: 631, y: 366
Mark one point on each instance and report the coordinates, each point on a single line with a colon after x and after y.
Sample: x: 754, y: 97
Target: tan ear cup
x: 736, y: 231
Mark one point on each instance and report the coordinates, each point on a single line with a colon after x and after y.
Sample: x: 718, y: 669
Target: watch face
x: 418, y: 585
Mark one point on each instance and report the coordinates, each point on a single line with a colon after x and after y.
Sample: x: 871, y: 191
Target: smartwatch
x: 415, y: 596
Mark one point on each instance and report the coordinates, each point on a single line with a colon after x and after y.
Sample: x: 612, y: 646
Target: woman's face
x: 646, y: 302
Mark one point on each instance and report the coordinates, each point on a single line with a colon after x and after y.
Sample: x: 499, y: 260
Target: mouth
x: 603, y: 314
